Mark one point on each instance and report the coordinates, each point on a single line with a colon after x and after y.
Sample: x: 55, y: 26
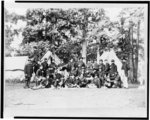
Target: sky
x: 20, y: 8
x: 112, y: 10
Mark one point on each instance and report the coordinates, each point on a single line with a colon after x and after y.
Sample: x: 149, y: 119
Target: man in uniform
x: 41, y: 82
x: 89, y: 66
x: 107, y: 67
x: 114, y: 76
x: 95, y: 68
x: 28, y: 70
x: 113, y: 67
x: 125, y: 67
x: 101, y: 71
x: 35, y: 59
x: 45, y: 66
x: 40, y: 75
x: 51, y: 72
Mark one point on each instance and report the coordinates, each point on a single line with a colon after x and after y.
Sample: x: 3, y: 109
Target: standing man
x: 51, y: 72
x: 35, y: 59
x: 101, y: 71
x: 45, y: 66
x: 28, y: 70
x: 125, y: 67
x: 113, y: 67
x: 107, y: 67
x: 40, y: 75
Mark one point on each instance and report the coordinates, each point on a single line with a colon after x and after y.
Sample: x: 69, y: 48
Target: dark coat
x: 96, y: 66
x: 125, y: 67
x: 107, y: 68
x: 113, y: 68
x: 101, y: 67
x: 51, y: 68
x: 36, y: 66
x: 40, y: 73
x: 45, y: 65
x: 28, y: 69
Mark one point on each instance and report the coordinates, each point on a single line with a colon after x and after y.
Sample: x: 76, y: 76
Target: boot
x: 26, y: 86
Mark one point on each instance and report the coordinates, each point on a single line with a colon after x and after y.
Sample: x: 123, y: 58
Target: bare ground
x: 73, y: 102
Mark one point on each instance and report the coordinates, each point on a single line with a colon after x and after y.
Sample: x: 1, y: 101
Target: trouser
x: 27, y: 81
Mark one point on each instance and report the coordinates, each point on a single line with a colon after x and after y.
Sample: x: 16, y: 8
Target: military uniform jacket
x: 107, y: 68
x: 101, y: 67
x: 40, y: 73
x: 28, y: 69
x: 51, y: 69
x: 45, y: 65
x: 113, y: 68
x: 125, y: 67
x: 96, y: 66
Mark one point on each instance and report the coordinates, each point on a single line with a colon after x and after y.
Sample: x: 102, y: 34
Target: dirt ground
x: 74, y: 102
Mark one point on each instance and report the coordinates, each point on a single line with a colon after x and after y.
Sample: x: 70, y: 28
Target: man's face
x: 106, y: 61
x: 100, y: 62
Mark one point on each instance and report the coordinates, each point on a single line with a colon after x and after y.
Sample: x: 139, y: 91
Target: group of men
x: 74, y: 74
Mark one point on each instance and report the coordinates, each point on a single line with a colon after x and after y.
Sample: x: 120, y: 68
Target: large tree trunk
x: 131, y: 75
x: 137, y: 51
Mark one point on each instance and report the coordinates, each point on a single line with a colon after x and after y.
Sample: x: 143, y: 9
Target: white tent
x: 54, y: 56
x: 14, y: 66
x: 109, y: 55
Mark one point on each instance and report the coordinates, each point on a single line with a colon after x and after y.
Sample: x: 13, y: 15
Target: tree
x: 135, y: 15
x: 10, y: 30
x: 59, y: 27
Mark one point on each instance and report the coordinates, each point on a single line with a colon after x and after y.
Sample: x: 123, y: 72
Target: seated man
x: 41, y: 81
x: 82, y: 79
x: 113, y: 80
x: 101, y: 72
x: 58, y: 80
x: 97, y: 81
x: 50, y: 73
x: 45, y: 66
